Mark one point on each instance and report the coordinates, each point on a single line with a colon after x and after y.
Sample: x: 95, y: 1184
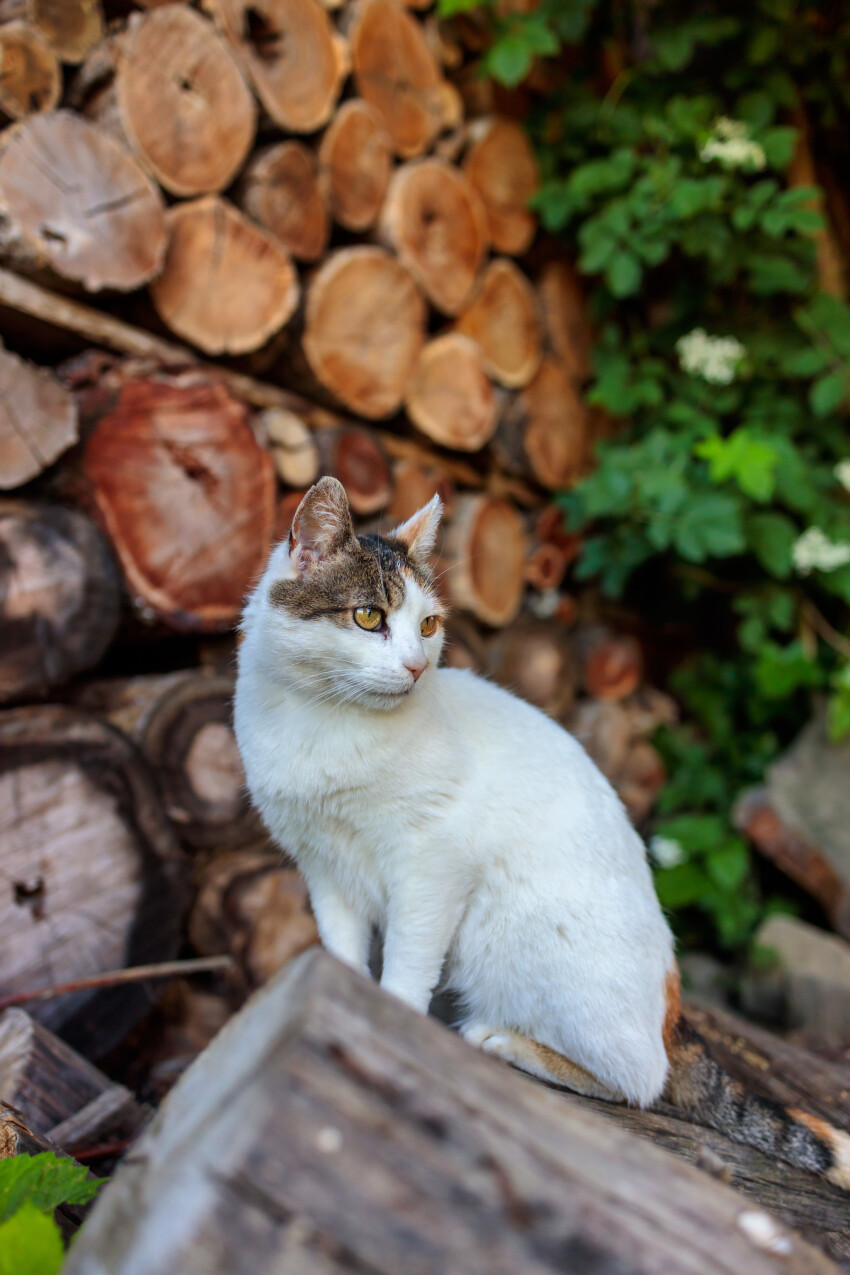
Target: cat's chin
x: 386, y: 701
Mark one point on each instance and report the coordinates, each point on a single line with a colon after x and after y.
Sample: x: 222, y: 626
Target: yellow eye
x: 368, y: 617
x: 429, y: 625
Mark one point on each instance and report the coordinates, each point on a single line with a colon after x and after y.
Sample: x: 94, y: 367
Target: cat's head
x: 348, y: 618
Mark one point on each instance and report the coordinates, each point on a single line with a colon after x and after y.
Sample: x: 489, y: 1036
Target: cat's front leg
x: 419, y: 930
x: 344, y: 932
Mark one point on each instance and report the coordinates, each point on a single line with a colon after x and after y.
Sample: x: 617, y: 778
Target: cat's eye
x: 369, y: 618
x: 429, y: 625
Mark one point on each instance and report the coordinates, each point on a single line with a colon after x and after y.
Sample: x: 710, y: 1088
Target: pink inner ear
x: 419, y: 533
x: 322, y: 522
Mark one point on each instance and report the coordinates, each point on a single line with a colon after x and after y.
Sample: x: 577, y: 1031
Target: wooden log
x: 38, y: 419
x: 78, y: 204
x: 93, y: 868
x: 545, y: 566
x: 313, y: 1126
x: 60, y: 596
x: 641, y: 780
x: 504, y: 321
x: 355, y: 457
x: 185, y: 494
x: 292, y: 444
x: 182, y: 724
x: 449, y: 397
x: 281, y: 190
x: 434, y: 221
x: 414, y: 484
x: 364, y: 328
x: 465, y: 646
x: 355, y: 161
x: 71, y: 27
x: 534, y: 658
x: 545, y: 434
x: 483, y: 558
x: 604, y: 729
x: 226, y: 285
x: 611, y: 663
x: 501, y: 166
x: 568, y: 329
x: 30, y: 78
x: 395, y: 71
x: 295, y: 59
x: 183, y: 103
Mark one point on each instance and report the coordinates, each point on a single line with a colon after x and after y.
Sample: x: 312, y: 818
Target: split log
x: 611, y: 663
x: 78, y: 204
x: 483, y: 559
x: 59, y: 596
x: 568, y: 328
x: 396, y: 72
x: 365, y: 325
x: 282, y: 191
x: 38, y: 419
x: 501, y: 166
x: 186, y: 495
x: 292, y: 444
x: 30, y: 78
x: 449, y: 396
x: 534, y: 658
x: 503, y: 320
x: 545, y: 434
x: 355, y: 457
x: 414, y: 484
x: 278, y: 1140
x: 94, y: 869
x: 71, y: 27
x: 183, y: 103
x: 182, y: 722
x: 226, y: 285
x: 355, y: 161
x: 434, y: 221
x: 296, y: 61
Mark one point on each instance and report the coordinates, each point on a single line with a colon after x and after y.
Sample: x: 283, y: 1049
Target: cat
x: 471, y: 831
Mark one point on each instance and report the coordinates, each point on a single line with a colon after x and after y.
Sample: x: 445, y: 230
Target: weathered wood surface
x: 329, y: 1128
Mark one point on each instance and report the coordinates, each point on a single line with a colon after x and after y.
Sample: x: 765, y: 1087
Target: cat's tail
x: 701, y: 1088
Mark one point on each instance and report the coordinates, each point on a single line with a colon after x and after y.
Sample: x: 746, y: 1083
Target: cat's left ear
x: 419, y: 533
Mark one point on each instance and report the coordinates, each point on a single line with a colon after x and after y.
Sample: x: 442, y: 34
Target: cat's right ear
x: 322, y: 524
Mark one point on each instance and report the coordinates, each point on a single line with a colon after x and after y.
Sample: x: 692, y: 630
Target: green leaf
x: 749, y: 460
x: 779, y: 144
x: 44, y: 1180
x: 509, y: 59
x: 30, y: 1243
x: 624, y: 274
x: 710, y: 526
x: 729, y: 865
x: 681, y: 886
x: 827, y: 394
x: 771, y: 537
x: 782, y: 670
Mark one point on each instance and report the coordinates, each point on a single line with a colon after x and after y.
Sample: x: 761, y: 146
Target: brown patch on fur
x: 673, y: 1004
x: 543, y: 1061
x: 366, y: 571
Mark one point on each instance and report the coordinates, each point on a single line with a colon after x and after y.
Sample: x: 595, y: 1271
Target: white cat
x: 472, y: 832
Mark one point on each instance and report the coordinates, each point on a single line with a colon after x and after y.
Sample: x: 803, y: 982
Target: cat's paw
x: 500, y: 1044
x: 476, y: 1033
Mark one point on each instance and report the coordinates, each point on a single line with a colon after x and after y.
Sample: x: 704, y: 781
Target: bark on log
x: 501, y: 166
x: 504, y: 321
x: 396, y: 72
x: 355, y: 457
x: 71, y: 27
x: 186, y: 495
x: 365, y: 325
x: 295, y: 59
x: 226, y: 285
x: 94, y: 869
x: 434, y: 221
x: 293, y: 446
x: 79, y: 204
x: 183, y: 103
x: 277, y: 1141
x: 355, y: 161
x: 59, y: 596
x: 30, y: 78
x: 534, y: 658
x: 38, y: 420
x: 449, y: 396
x: 568, y: 328
x: 483, y: 556
x: 282, y: 191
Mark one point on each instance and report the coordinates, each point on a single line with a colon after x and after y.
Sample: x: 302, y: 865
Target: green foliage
x: 726, y: 369
x: 31, y: 1187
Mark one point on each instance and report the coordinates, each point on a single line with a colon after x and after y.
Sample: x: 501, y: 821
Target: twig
x: 824, y: 629
x: 103, y: 1149
x: 135, y: 974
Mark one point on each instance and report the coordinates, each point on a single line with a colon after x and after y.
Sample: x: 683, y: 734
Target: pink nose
x: 416, y: 669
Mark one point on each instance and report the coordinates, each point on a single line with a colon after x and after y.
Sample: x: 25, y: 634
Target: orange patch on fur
x: 673, y: 1003
x: 818, y: 1127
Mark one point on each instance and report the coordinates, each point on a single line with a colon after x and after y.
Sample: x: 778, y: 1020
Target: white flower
x: 816, y: 552
x: 842, y: 473
x: 714, y: 358
x: 731, y: 145
x: 666, y: 852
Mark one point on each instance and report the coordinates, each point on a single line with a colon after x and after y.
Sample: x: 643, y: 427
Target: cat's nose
x: 416, y: 669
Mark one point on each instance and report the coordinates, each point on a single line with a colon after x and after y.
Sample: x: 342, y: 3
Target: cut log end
x: 485, y: 552
x: 30, y: 77
x: 501, y: 166
x: 503, y: 320
x: 568, y: 328
x: 449, y: 396
x: 38, y: 420
x: 355, y: 457
x: 355, y: 161
x: 281, y: 190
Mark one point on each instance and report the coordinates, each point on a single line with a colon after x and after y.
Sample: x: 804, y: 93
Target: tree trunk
x: 227, y: 285
x: 59, y: 596
x: 296, y: 61
x: 281, y: 189
x: 501, y: 166
x: 94, y: 870
x: 186, y: 495
x: 503, y: 318
x: 355, y: 161
x: 568, y: 328
x: 78, y: 204
x: 365, y: 325
x: 354, y: 456
x: 70, y: 27
x: 30, y: 77
x: 38, y: 419
x: 535, y: 659
x: 183, y: 103
x: 434, y: 221
x: 484, y: 555
x: 333, y: 1125
x: 545, y: 434
x: 449, y: 397
x: 293, y: 446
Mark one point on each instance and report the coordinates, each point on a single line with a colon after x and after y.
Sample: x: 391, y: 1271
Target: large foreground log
x: 329, y: 1128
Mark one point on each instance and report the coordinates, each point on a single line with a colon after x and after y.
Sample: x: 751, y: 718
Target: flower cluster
x: 814, y: 551
x: 666, y: 852
x: 731, y: 145
x: 714, y: 358
x: 842, y: 473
